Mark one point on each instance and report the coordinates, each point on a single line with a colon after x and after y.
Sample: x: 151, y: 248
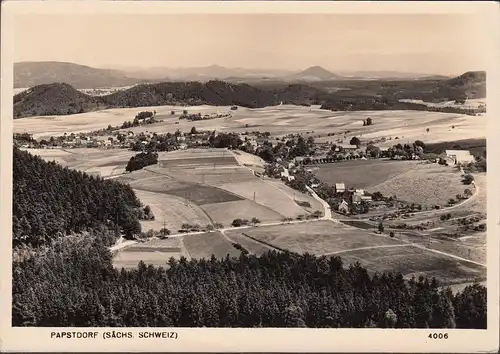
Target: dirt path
x: 366, y: 248
x: 449, y: 255
x: 327, y: 209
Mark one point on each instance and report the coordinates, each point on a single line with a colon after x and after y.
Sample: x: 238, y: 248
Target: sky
x: 437, y: 44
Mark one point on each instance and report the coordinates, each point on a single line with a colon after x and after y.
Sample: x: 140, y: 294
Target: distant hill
x: 315, y: 73
x: 470, y: 78
x: 29, y: 74
x: 53, y: 99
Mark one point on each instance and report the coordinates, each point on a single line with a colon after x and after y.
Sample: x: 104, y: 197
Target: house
x: 343, y: 207
x: 299, y: 159
x: 346, y: 147
x: 340, y: 187
x: 285, y: 173
x: 356, y: 198
x: 457, y: 156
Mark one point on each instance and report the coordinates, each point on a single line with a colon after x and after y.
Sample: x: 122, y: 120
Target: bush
x: 239, y: 222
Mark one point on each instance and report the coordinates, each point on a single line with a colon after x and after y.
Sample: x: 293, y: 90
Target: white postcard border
x: 255, y: 340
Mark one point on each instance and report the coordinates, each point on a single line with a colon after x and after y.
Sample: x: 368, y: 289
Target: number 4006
x: 438, y: 336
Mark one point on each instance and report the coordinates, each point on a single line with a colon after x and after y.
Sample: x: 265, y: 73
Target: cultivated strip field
x: 204, y: 245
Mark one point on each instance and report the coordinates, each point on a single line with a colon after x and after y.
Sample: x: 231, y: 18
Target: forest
x: 63, y: 273
x: 51, y: 201
x: 75, y: 284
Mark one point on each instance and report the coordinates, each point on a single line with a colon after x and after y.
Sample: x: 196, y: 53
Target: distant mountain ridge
x: 29, y: 74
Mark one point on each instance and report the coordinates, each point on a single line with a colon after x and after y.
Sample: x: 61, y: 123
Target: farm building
x: 340, y: 187
x: 457, y: 156
x: 343, y: 207
x: 346, y: 147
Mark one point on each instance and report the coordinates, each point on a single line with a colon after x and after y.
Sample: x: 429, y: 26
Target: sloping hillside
x: 50, y: 201
x: 29, y: 74
x: 53, y: 99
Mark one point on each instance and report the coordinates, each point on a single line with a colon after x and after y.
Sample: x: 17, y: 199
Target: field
x: 106, y: 162
x: 377, y: 253
x: 413, y: 261
x: 225, y: 213
x: 278, y: 120
x: 204, y: 245
x: 322, y: 237
x: 154, y: 252
x: 252, y: 246
x: 266, y: 195
x: 305, y: 201
x: 428, y: 184
x: 171, y: 210
x: 363, y: 173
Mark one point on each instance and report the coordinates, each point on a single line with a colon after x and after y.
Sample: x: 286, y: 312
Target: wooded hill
x: 50, y: 201
x: 62, y: 99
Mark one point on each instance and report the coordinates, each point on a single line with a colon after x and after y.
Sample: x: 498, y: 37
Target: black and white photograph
x: 250, y: 170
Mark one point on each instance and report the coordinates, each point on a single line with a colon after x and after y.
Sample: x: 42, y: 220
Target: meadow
x: 413, y: 262
x: 318, y: 238
x: 208, y: 244
x: 363, y: 173
x: 427, y: 185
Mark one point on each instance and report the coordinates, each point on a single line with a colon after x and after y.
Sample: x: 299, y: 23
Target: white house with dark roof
x: 458, y: 156
x: 340, y: 187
